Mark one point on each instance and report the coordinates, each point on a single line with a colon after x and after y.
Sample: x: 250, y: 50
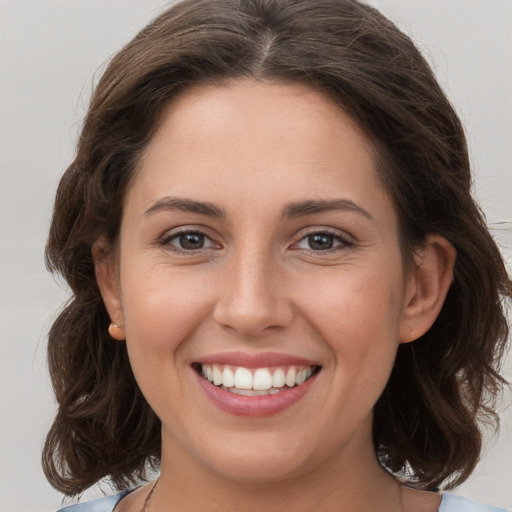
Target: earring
x: 116, y: 332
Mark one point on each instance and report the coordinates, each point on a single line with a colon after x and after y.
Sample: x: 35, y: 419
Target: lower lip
x: 255, y: 406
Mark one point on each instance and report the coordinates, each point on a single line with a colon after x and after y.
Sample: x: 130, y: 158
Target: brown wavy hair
x: 426, y: 422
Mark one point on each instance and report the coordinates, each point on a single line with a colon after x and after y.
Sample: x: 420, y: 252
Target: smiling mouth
x: 255, y: 381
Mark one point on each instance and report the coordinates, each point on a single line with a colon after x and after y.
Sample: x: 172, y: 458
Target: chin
x: 262, y: 471
x: 258, y: 458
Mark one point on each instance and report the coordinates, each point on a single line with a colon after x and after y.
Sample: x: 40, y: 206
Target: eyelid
x: 347, y: 241
x: 172, y: 234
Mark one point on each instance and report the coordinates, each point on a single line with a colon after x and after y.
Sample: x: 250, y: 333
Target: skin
x: 251, y: 149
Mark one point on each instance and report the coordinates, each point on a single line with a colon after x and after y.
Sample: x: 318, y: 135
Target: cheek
x: 162, y: 309
x: 358, y: 318
x: 356, y: 305
x: 162, y: 302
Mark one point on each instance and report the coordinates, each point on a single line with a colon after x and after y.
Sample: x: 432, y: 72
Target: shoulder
x: 105, y: 504
x: 454, y: 503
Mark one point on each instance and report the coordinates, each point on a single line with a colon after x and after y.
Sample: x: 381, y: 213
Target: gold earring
x: 116, y: 332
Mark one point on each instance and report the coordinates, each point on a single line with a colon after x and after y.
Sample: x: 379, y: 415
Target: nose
x: 252, y: 300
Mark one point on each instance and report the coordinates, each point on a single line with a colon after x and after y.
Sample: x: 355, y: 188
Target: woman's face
x: 259, y: 247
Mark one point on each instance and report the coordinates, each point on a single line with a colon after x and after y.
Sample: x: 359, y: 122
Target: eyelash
x: 339, y: 241
x: 167, y: 241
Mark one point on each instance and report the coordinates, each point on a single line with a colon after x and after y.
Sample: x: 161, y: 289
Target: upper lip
x: 258, y: 360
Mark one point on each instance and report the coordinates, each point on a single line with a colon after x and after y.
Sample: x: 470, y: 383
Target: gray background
x: 50, y: 51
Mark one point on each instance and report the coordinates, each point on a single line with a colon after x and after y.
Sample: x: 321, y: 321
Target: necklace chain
x: 147, y: 501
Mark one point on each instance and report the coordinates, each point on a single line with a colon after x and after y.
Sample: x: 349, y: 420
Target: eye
x: 189, y: 241
x: 322, y: 241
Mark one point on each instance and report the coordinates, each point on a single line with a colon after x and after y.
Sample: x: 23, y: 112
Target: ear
x: 106, y: 269
x: 427, y: 286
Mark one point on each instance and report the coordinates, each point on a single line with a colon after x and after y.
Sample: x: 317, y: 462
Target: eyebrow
x: 183, y: 204
x: 311, y: 207
x: 292, y: 210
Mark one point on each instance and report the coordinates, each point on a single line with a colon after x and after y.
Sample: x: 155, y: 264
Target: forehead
x: 246, y: 107
x: 239, y: 120
x: 247, y: 138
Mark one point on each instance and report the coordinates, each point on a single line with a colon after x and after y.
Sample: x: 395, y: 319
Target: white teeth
x: 278, y: 379
x: 290, y: 377
x: 228, y: 378
x: 217, y: 375
x: 243, y: 378
x: 250, y: 392
x: 262, y: 379
x: 259, y: 381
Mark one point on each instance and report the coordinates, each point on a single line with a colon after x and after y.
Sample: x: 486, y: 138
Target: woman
x: 285, y: 296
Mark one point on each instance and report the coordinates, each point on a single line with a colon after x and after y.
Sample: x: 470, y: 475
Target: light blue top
x: 454, y: 503
x: 105, y: 504
x: 449, y: 503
